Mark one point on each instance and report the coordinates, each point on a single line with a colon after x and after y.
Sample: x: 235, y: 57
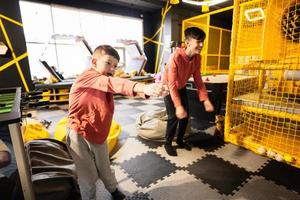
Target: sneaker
x: 184, y: 145
x: 118, y: 195
x: 170, y: 150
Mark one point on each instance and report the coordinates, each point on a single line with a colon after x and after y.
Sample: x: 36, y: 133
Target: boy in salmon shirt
x: 91, y: 108
x: 183, y: 63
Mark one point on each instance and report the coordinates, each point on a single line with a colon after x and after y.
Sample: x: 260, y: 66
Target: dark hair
x: 195, y: 33
x: 109, y: 50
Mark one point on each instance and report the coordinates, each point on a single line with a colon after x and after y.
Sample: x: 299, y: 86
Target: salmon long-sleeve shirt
x: 91, y: 104
x: 178, y: 71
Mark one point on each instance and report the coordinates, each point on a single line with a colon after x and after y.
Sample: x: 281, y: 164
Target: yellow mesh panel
x: 263, y: 101
x: 250, y: 31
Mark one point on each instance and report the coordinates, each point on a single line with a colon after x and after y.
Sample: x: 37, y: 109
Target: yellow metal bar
x: 153, y: 41
x: 11, y: 20
x: 271, y: 113
x: 247, y: 50
x: 155, y: 34
x: 218, y: 28
x: 164, y: 13
x: 222, y: 71
x: 261, y: 80
x: 196, y: 24
x: 182, y: 30
x: 206, y: 42
x: 263, y: 36
x: 220, y: 44
x: 214, y: 27
x: 222, y: 55
x: 10, y: 63
x: 14, y: 56
x: 238, y: 23
x: 249, y: 2
x: 231, y: 72
x: 210, y: 13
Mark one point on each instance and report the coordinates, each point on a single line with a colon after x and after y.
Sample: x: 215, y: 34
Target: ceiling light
x: 204, y: 3
x: 174, y: 2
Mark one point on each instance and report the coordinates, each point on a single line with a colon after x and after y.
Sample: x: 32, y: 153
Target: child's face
x: 105, y: 64
x: 195, y: 46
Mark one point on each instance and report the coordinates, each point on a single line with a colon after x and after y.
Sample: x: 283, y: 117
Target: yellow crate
x: 263, y: 113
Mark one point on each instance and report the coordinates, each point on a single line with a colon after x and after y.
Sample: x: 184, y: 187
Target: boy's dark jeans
x: 173, y: 121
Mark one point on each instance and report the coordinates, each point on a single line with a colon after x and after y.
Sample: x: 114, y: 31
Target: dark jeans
x: 173, y: 121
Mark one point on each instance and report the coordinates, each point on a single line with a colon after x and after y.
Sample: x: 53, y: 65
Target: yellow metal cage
x: 216, y: 48
x: 263, y: 110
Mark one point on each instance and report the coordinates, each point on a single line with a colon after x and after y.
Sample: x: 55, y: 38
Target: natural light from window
x: 42, y: 21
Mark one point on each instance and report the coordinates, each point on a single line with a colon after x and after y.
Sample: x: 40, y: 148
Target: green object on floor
x: 6, y: 102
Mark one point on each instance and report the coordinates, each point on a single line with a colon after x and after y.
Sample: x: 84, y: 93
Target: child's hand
x: 152, y: 90
x: 208, y: 106
x: 155, y: 90
x: 165, y: 90
x: 180, y: 112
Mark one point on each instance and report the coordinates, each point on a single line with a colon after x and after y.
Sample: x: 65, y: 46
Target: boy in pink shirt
x: 91, y: 108
x: 183, y: 63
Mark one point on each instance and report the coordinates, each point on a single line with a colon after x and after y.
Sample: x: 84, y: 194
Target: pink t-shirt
x: 91, y: 103
x: 179, y: 70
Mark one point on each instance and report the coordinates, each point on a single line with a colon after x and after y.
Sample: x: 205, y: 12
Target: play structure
x: 263, y: 113
x: 216, y: 47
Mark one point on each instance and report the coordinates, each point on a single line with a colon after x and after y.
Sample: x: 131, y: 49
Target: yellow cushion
x: 33, y: 129
x: 114, y: 132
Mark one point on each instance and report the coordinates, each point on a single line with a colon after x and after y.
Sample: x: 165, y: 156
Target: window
x: 42, y: 21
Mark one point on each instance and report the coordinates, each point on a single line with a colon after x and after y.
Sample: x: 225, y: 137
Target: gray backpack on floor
x: 53, y: 170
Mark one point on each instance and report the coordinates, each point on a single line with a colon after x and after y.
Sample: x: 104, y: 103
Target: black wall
x: 223, y: 19
x: 10, y: 77
x: 150, y: 25
x: 171, y: 31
